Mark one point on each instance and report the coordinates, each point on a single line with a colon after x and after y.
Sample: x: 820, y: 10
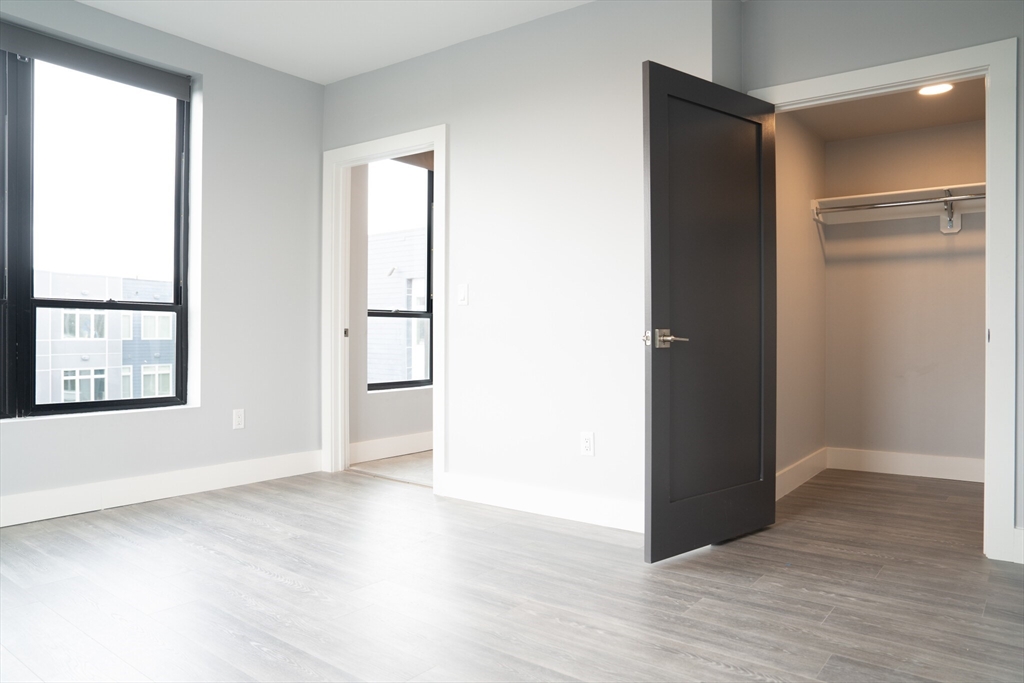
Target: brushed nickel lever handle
x: 663, y: 339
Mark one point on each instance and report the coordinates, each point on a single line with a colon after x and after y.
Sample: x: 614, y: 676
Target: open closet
x: 881, y: 284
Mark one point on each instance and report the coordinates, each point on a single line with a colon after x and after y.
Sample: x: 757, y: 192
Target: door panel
x: 711, y: 279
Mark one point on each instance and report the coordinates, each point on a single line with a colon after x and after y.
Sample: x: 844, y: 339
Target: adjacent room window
x: 399, y: 305
x: 157, y: 325
x: 85, y: 325
x: 126, y: 381
x: 156, y: 381
x: 95, y: 237
x: 88, y: 384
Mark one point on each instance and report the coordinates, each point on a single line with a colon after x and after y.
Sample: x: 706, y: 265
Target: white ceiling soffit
x: 327, y: 40
x: 895, y: 112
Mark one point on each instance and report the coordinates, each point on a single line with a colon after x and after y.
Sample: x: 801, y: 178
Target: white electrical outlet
x: 587, y: 444
x: 238, y: 418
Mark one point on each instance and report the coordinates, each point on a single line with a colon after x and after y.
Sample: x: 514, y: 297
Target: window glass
x: 396, y: 236
x: 73, y: 367
x: 103, y: 188
x: 398, y: 349
x: 126, y: 326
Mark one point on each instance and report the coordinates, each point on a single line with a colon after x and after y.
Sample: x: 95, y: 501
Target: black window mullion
x: 5, y: 369
x: 181, y: 252
x: 398, y: 313
x: 109, y: 305
x: 21, y: 326
x: 430, y: 275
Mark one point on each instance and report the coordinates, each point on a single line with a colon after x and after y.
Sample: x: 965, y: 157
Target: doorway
x: 989, y: 245
x: 391, y: 318
x: 996, y: 64
x: 402, y: 320
x: 882, y: 231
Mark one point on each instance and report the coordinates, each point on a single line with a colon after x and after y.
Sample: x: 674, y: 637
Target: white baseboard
x: 19, y: 508
x: 378, y: 449
x: 579, y: 507
x: 911, y: 464
x: 800, y: 472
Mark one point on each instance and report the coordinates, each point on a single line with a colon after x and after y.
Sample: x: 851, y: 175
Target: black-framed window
x: 399, y: 329
x: 93, y: 304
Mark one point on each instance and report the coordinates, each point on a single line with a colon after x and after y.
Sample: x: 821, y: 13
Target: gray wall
x: 800, y: 171
x: 727, y: 47
x: 790, y: 40
x: 905, y: 307
x: 546, y: 221
x: 930, y: 157
x: 377, y: 414
x: 260, y: 216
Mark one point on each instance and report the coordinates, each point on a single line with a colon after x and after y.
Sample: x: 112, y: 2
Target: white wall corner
x: 800, y: 472
x: 19, y: 508
x: 578, y: 507
x: 910, y: 464
x: 378, y: 449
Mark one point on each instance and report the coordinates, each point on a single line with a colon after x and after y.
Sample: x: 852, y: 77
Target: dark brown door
x: 710, y: 181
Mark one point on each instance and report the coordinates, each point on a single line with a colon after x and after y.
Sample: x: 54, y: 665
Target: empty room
x: 501, y: 340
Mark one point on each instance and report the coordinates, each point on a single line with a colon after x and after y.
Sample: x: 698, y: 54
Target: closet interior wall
x: 884, y: 320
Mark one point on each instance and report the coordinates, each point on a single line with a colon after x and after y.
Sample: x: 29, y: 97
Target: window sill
x: 388, y: 390
x: 95, y: 413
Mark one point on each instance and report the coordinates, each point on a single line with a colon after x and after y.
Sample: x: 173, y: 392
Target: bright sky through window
x: 397, y: 197
x: 103, y: 184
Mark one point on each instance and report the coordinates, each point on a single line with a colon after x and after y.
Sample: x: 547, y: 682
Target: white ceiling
x: 327, y: 40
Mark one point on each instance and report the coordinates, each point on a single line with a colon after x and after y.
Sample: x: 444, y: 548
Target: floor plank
x: 352, y: 577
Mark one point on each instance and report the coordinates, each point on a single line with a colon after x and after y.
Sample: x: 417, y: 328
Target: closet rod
x: 886, y: 205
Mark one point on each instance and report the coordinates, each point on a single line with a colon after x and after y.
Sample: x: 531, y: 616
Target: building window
x: 85, y: 325
x: 126, y: 381
x: 156, y: 380
x: 399, y: 300
x: 157, y: 325
x: 96, y: 229
x: 84, y: 385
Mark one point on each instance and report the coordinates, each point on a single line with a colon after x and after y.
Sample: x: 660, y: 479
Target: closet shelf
x: 947, y: 203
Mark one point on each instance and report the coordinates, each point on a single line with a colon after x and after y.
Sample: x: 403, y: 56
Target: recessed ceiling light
x: 935, y: 89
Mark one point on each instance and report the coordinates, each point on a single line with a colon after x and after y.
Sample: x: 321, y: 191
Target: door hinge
x: 346, y: 331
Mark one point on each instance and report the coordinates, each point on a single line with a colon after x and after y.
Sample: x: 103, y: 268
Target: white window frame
x: 156, y: 326
x: 156, y: 370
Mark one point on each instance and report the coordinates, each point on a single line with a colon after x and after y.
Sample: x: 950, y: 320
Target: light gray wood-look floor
x: 414, y: 468
x: 343, y: 577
